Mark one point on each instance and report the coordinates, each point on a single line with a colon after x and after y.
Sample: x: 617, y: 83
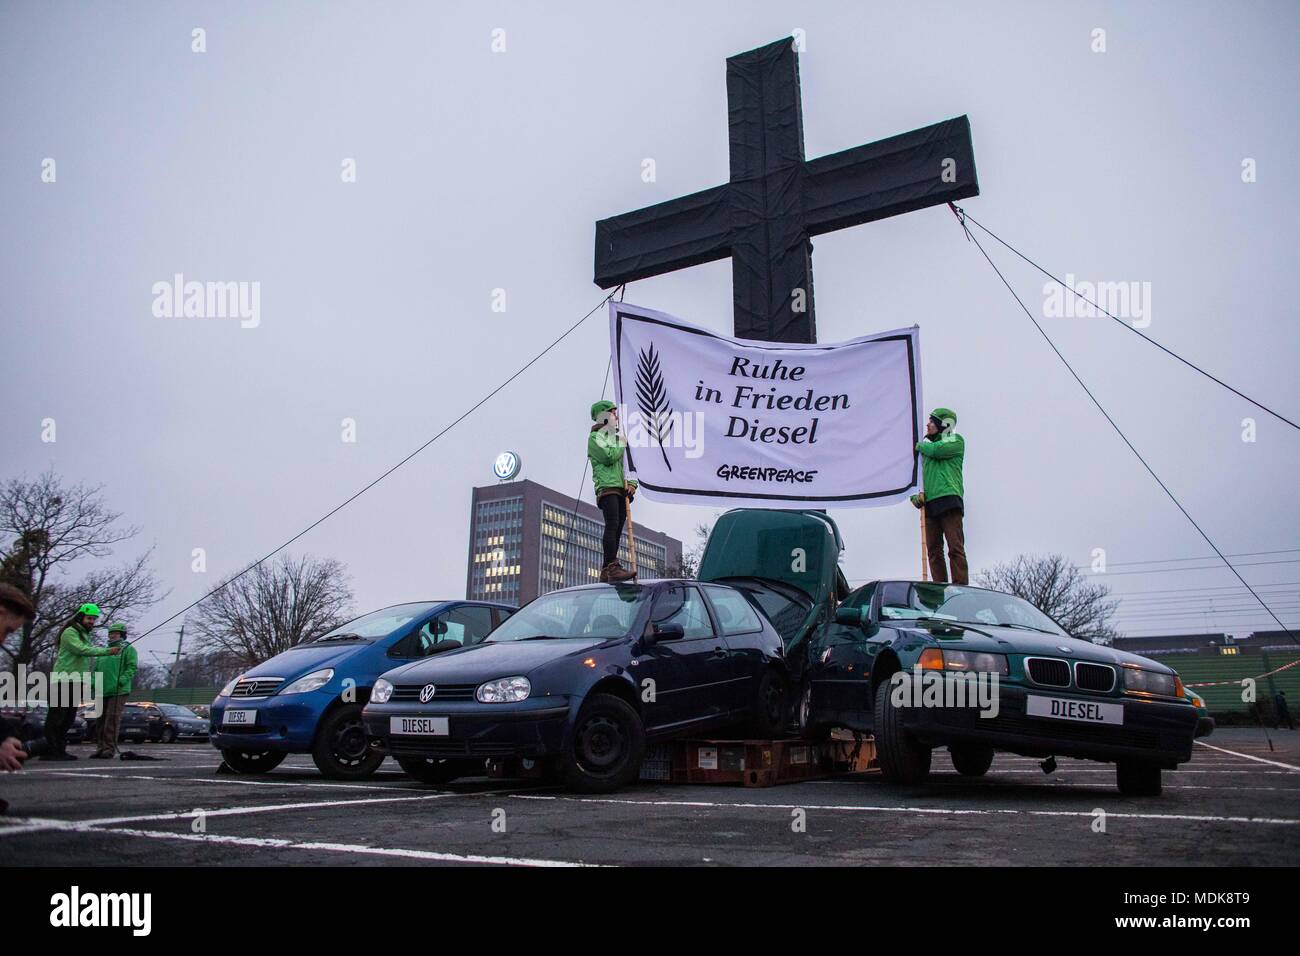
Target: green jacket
x: 75, y: 651
x: 606, y: 453
x: 941, y: 465
x: 119, y: 671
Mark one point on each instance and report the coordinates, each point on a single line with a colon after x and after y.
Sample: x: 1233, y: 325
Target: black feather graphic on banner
x: 652, y: 399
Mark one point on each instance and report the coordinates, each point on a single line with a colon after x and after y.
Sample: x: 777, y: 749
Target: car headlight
x: 313, y: 681
x: 1152, y: 682
x: 229, y: 688
x: 508, y: 690
x: 964, y: 661
x: 381, y: 692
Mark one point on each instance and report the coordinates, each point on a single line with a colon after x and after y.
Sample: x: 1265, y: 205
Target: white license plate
x: 424, y: 726
x: 1082, y: 711
x: 245, y: 718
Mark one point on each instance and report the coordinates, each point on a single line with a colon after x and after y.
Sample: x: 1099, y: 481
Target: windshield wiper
x: 1024, y: 627
x: 338, y: 637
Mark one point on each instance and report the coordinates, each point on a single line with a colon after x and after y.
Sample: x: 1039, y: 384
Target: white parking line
x: 348, y: 848
x: 1275, y: 763
x: 221, y: 812
x: 236, y: 781
x: 939, y: 811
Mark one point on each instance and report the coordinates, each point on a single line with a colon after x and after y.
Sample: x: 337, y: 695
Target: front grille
x: 1072, y: 732
x: 410, y: 693
x: 434, y: 747
x: 1048, y: 671
x: 241, y: 729
x: 1096, y: 677
x: 256, y: 687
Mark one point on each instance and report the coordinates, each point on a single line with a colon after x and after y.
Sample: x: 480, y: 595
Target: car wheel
x: 771, y: 706
x: 252, y: 761
x: 902, y: 759
x: 607, y: 747
x: 807, y: 729
x: 1138, y: 778
x: 168, y: 735
x: 342, y: 751
x: 436, y: 769
x: 971, y: 760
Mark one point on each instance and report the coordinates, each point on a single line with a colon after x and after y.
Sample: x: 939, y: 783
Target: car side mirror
x: 852, y: 616
x: 665, y: 632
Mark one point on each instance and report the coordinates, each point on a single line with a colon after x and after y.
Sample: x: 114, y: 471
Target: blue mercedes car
x: 309, y: 699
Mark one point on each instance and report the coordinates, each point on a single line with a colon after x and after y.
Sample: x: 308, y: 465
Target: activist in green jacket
x: 75, y: 651
x: 119, y: 671
x: 605, y: 449
x: 942, y: 453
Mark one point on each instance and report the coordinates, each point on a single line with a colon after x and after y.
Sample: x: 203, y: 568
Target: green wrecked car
x: 924, y: 665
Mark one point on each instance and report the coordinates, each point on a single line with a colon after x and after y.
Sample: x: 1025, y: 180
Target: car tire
x: 902, y: 759
x: 436, y: 769
x: 252, y: 761
x: 1138, y: 778
x: 342, y: 750
x: 971, y: 760
x: 168, y: 735
x: 817, y: 733
x: 607, y: 746
x: 770, y: 711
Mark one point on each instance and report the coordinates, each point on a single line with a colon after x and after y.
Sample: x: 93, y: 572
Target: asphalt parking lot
x: 1236, y: 803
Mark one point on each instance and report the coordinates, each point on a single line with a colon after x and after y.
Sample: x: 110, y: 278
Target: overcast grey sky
x: 478, y: 170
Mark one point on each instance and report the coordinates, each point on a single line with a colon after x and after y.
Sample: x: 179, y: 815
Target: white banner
x: 714, y: 420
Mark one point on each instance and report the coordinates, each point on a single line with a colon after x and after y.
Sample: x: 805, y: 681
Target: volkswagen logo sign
x: 507, y: 465
x: 427, y: 692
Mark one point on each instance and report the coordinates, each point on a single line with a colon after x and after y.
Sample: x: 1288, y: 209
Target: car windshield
x: 902, y: 600
x: 376, y: 624
x: 598, y: 613
x: 176, y: 710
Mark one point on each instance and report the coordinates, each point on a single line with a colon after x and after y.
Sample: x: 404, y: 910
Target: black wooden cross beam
x: 764, y: 217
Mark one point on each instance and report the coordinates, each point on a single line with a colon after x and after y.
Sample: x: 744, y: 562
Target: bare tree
x: 1058, y: 589
x: 690, y: 563
x: 50, y: 527
x: 276, y: 606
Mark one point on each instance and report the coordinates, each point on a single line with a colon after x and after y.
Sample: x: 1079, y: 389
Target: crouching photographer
x: 15, y: 609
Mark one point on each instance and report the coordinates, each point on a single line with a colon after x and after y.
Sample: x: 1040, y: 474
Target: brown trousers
x: 109, y: 721
x: 947, y: 526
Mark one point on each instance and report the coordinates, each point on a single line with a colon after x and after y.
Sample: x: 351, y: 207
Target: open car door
x: 787, y: 562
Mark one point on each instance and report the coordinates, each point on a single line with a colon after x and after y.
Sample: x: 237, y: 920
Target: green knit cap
x: 600, y: 408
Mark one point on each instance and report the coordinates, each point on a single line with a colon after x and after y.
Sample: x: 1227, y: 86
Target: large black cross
x: 776, y: 200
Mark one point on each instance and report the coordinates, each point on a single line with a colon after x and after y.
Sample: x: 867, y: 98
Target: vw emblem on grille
x: 427, y: 692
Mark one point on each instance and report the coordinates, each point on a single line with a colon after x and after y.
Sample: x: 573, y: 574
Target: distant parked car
x: 181, y: 721
x: 30, y: 719
x: 309, y: 699
x: 141, y: 721
x: 159, y: 723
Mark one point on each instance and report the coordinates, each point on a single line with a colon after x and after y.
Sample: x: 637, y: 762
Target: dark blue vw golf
x: 581, y: 678
x: 309, y: 699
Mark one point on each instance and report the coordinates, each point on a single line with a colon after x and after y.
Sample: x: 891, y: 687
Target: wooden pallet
x: 750, y: 763
x: 756, y: 763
